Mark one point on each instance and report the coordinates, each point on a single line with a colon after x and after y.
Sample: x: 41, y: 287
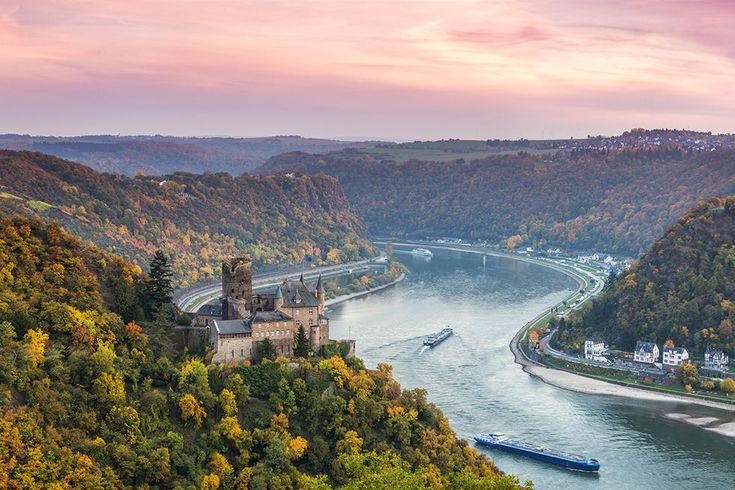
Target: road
x: 190, y: 300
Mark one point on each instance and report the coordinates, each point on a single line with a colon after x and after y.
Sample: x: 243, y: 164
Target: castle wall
x: 239, y: 348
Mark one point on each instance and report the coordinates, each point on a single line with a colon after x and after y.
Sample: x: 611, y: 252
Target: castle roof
x: 267, y: 316
x: 232, y: 327
x: 319, y: 285
x: 243, y: 326
x: 296, y: 295
x: 210, y: 310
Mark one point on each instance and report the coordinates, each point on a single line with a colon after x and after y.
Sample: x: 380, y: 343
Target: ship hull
x: 588, y: 465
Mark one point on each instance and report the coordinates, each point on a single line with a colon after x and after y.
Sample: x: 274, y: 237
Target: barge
x: 547, y: 455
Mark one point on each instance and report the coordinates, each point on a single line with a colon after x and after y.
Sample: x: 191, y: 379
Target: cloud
x: 314, y: 65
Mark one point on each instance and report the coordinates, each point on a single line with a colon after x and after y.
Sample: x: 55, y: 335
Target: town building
x: 646, y: 352
x: 675, y: 356
x: 715, y: 359
x: 249, y: 318
x: 595, y: 349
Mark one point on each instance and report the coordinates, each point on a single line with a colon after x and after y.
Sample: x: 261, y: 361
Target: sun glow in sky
x: 390, y: 69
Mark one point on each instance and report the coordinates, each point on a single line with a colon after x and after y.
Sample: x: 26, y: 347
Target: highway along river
x: 473, y: 379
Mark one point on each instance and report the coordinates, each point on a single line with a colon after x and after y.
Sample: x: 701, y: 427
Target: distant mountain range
x: 682, y: 289
x: 197, y: 219
x: 158, y: 155
x: 598, y: 198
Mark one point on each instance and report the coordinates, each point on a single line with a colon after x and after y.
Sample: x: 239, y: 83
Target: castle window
x: 242, y: 352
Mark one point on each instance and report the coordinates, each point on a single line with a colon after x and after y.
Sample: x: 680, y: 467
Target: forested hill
x: 682, y: 289
x: 612, y: 201
x: 157, y: 155
x: 197, y: 219
x: 92, y: 400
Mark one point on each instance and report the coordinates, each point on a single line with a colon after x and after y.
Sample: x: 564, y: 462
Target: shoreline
x: 346, y: 297
x: 571, y: 381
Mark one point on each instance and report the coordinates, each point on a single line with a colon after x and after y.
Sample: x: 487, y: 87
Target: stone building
x: 237, y: 288
x: 249, y: 318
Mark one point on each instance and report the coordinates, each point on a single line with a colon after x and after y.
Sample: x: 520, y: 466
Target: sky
x: 395, y: 69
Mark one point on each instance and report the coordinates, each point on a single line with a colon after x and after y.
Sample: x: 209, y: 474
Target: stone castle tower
x: 237, y: 288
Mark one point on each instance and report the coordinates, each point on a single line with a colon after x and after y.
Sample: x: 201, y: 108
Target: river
x: 473, y: 379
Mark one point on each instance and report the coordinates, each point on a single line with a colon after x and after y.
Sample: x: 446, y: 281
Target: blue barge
x: 439, y: 337
x: 553, y: 456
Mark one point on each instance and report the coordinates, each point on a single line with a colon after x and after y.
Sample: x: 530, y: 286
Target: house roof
x: 596, y: 339
x: 679, y: 350
x: 645, y: 346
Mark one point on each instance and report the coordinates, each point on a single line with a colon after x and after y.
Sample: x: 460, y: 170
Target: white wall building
x: 646, y: 352
x: 594, y: 348
x: 715, y: 359
x: 675, y: 356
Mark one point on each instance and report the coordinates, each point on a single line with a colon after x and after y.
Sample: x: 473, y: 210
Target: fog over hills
x: 159, y: 155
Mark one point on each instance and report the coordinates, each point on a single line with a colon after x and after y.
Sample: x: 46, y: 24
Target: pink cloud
x: 399, y: 68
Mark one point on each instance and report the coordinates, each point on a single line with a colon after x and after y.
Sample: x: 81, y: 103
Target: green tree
x: 159, y: 288
x: 301, y: 343
x: 265, y: 350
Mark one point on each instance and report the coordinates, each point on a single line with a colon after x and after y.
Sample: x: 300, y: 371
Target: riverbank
x: 583, y: 384
x: 346, y: 297
x: 565, y: 379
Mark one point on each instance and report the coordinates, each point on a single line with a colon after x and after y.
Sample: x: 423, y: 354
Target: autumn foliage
x: 90, y: 400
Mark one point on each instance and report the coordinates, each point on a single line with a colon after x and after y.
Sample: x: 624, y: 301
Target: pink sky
x: 394, y: 69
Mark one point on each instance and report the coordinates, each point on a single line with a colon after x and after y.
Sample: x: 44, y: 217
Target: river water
x: 473, y: 379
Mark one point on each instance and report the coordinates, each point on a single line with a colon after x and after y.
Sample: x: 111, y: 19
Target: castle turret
x: 278, y: 299
x: 237, y: 288
x: 320, y: 294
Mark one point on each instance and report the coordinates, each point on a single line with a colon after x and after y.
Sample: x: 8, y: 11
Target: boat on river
x: 500, y: 441
x: 438, y: 337
x: 422, y: 252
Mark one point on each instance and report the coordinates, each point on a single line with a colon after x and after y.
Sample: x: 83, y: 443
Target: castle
x: 247, y: 318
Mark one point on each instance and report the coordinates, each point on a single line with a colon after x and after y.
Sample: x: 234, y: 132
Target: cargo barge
x: 547, y: 455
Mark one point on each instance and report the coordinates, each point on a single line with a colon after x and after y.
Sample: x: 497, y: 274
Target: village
x: 650, y: 363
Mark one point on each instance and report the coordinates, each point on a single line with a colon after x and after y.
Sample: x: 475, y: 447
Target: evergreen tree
x: 159, y: 288
x: 301, y: 343
x: 265, y: 350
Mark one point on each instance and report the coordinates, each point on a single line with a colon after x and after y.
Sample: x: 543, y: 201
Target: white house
x: 715, y: 359
x: 675, y: 356
x: 594, y: 348
x: 646, y: 352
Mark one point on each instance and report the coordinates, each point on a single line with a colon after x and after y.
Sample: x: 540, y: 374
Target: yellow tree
x: 192, y: 410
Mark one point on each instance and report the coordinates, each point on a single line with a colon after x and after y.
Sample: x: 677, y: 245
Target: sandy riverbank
x: 346, y: 297
x: 583, y: 384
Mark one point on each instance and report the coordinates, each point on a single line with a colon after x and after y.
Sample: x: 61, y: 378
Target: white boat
x: 422, y: 251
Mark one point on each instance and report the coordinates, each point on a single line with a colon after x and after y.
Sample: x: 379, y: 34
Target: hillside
x: 682, y: 289
x: 159, y: 155
x: 197, y: 219
x: 610, y: 200
x: 90, y: 401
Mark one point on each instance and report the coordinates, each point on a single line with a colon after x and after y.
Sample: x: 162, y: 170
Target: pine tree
x: 301, y: 347
x: 159, y: 288
x: 265, y: 350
